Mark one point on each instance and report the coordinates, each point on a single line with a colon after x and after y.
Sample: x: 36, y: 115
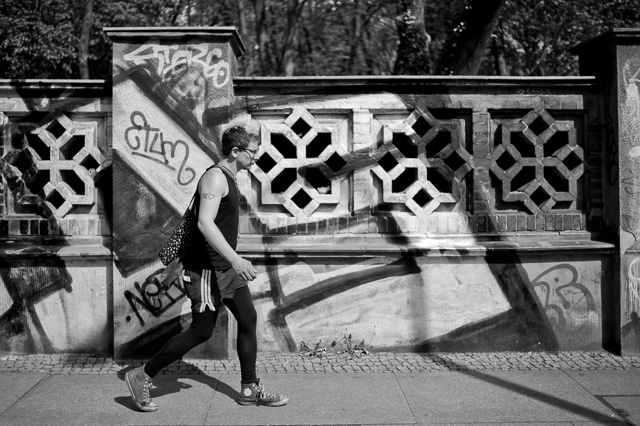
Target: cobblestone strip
x: 301, y: 363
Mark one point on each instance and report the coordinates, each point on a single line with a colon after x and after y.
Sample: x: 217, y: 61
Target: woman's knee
x: 202, y: 325
x: 248, y: 319
x: 202, y: 333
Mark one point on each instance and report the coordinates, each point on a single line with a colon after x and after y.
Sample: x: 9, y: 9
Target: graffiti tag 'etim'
x: 168, y: 58
x: 148, y: 142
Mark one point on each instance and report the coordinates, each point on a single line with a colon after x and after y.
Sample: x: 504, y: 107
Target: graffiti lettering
x: 633, y: 285
x: 567, y: 303
x: 151, y: 299
x: 536, y: 91
x: 169, y: 58
x: 148, y: 142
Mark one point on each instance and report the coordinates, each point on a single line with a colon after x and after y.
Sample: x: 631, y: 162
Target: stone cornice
x: 227, y: 34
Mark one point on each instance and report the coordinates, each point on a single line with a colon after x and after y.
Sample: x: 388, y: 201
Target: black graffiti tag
x: 148, y: 142
x: 151, y: 299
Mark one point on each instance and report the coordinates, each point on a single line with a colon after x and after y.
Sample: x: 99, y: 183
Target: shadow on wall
x: 29, y: 281
x: 33, y: 274
x: 529, y: 324
x: 151, y: 214
x: 526, y: 325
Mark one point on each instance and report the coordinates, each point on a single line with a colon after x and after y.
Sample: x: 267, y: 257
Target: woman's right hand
x: 244, y: 269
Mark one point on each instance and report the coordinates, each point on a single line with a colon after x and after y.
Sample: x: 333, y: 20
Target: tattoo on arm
x: 208, y: 196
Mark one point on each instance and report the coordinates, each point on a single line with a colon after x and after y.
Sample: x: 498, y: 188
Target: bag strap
x: 171, y: 273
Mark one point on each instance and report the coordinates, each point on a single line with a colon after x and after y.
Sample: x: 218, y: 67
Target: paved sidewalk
x: 569, y: 388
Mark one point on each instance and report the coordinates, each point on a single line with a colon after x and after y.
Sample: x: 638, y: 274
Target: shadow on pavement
x: 532, y: 393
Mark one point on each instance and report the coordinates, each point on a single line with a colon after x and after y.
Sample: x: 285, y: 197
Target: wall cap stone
x: 69, y: 248
x: 418, y: 245
x: 226, y: 34
x: 616, y: 35
x: 46, y: 85
x: 419, y: 81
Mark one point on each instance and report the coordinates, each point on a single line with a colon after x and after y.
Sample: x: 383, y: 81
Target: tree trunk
x: 249, y: 58
x: 356, y: 33
x: 261, y: 37
x: 465, y: 49
x: 498, y: 52
x: 83, y: 39
x: 413, y: 48
x: 286, y: 63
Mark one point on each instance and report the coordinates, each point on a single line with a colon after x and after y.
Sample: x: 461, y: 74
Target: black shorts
x: 207, y: 288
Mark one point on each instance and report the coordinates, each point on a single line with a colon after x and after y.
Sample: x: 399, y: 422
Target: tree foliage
x: 538, y: 34
x: 64, y: 38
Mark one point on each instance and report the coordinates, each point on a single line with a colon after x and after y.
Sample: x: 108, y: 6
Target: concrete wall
x: 456, y: 303
x: 442, y: 213
x: 429, y: 214
x: 172, y: 95
x: 55, y: 214
x: 614, y: 57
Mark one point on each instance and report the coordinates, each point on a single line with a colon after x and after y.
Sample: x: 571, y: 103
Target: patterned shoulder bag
x: 182, y: 238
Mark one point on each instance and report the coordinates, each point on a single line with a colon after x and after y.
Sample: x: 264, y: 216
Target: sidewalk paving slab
x: 562, y: 389
x: 500, y: 396
x: 14, y: 386
x: 629, y: 405
x: 105, y: 400
x: 614, y: 423
x: 317, y: 399
x: 608, y: 382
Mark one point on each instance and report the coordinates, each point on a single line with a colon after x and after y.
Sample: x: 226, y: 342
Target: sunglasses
x: 253, y: 152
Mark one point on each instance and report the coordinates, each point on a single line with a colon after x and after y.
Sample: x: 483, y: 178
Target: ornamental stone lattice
x: 418, y: 164
x: 538, y: 162
x: 54, y: 162
x: 378, y: 170
x: 302, y: 142
x: 421, y: 162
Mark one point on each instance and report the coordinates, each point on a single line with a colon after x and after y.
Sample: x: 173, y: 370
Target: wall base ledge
x: 418, y: 245
x: 65, y: 248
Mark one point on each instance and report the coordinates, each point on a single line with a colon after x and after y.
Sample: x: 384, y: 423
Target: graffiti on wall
x: 310, y: 301
x: 148, y: 142
x: 176, y: 99
x: 542, y: 309
x: 629, y: 141
x: 172, y: 59
x: 413, y: 165
x: 149, y: 297
x: 568, y: 304
x: 633, y: 288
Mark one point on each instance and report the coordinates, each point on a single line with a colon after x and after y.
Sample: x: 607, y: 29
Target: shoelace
x: 263, y: 394
x: 145, y: 390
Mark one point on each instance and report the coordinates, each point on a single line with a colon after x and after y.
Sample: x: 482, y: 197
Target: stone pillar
x: 172, y: 94
x: 615, y: 57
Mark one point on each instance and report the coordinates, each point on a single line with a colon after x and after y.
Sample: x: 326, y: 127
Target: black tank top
x: 227, y: 221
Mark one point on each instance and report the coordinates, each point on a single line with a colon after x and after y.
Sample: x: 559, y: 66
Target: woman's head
x: 236, y: 136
